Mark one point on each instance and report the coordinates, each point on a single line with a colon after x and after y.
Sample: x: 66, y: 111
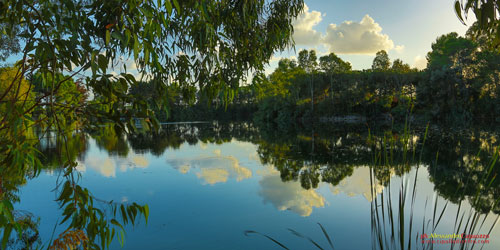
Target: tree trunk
x: 331, y: 87
x: 312, y: 92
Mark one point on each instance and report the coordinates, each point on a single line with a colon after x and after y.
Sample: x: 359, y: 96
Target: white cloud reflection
x: 358, y: 184
x: 107, y: 166
x: 212, y: 170
x: 288, y: 195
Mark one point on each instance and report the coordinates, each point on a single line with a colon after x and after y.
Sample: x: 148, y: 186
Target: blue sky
x: 357, y: 29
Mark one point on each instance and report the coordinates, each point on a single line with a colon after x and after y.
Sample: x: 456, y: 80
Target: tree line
x: 460, y: 85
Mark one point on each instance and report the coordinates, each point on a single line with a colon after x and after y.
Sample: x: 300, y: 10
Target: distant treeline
x: 460, y: 85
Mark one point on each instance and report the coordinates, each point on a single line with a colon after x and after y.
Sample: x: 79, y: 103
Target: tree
x: 286, y: 65
x: 447, y: 49
x: 381, y: 61
x: 447, y: 92
x: 309, y: 62
x: 332, y: 64
x: 399, y: 66
x: 11, y: 94
x: 211, y: 44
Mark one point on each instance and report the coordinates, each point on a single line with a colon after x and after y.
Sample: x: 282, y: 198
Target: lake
x: 207, y: 184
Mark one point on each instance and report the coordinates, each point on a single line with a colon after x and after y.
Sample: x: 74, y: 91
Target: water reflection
x: 107, y: 166
x: 358, y: 184
x: 288, y: 195
x: 296, y: 171
x: 212, y: 170
x: 337, y: 156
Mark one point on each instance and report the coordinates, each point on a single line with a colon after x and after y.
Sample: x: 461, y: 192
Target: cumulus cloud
x: 420, y: 62
x: 304, y: 33
x: 363, y: 37
x: 288, y: 195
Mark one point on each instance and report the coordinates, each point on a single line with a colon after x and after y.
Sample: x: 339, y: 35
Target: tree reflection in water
x: 339, y: 156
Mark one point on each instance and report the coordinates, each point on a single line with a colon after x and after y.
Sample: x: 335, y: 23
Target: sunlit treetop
x: 381, y: 61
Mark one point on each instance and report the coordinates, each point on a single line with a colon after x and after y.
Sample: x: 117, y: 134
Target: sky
x: 355, y: 30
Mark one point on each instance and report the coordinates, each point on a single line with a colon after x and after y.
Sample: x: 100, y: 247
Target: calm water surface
x: 206, y: 184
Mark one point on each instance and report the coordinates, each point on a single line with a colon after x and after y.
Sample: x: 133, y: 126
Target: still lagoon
x: 208, y: 184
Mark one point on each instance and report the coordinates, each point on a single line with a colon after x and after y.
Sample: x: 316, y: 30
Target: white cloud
x: 420, y: 62
x: 364, y: 37
x: 399, y: 48
x: 351, y: 37
x: 304, y: 34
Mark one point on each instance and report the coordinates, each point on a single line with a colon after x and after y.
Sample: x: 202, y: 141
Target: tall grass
x: 393, y: 219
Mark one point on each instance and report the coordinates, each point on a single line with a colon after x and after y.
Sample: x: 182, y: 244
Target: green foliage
x: 488, y: 25
x: 448, y: 49
x: 381, y: 61
x: 364, y: 93
x: 461, y: 81
x: 308, y: 60
x: 460, y: 85
x: 78, y: 205
x: 331, y: 63
x: 399, y: 66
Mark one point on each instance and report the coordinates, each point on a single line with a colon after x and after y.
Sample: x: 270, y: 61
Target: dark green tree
x: 332, y: 64
x: 308, y: 61
x: 381, y: 61
x: 448, y: 93
x: 399, y: 66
